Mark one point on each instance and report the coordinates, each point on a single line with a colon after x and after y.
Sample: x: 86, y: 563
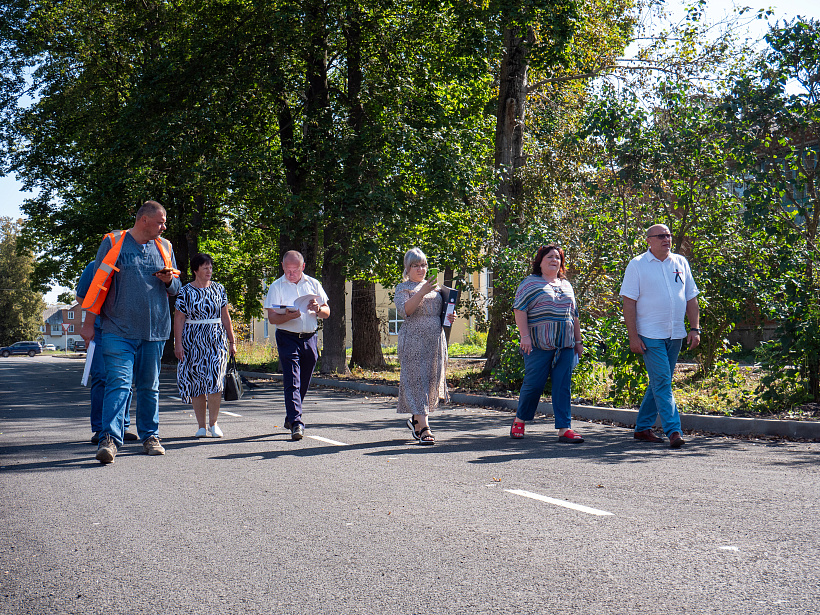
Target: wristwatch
x: 692, y: 329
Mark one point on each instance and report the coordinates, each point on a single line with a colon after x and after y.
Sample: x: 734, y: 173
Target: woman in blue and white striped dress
x: 203, y: 337
x: 546, y: 315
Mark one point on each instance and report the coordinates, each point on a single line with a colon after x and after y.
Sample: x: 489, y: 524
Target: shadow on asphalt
x: 458, y: 430
x: 463, y: 433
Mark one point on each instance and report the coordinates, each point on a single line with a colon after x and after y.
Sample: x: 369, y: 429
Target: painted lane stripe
x: 564, y: 503
x: 328, y: 441
x: 220, y: 412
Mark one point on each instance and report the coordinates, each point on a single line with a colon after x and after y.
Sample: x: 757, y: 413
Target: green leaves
x: 774, y: 124
x: 21, y: 304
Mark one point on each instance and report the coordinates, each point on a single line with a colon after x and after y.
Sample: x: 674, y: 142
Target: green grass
x: 257, y: 357
x: 453, y: 349
x: 730, y: 390
x: 466, y: 350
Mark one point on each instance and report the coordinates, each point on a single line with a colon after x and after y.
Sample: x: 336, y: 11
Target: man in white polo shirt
x: 657, y: 291
x: 296, y: 333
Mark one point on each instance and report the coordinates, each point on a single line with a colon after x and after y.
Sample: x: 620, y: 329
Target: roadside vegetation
x: 475, y: 131
x: 731, y: 388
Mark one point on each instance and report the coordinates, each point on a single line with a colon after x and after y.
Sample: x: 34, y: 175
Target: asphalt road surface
x: 358, y: 518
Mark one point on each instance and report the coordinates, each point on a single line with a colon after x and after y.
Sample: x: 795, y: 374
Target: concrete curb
x: 732, y: 426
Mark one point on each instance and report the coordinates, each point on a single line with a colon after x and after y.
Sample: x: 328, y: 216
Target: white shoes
x: 201, y: 433
x: 216, y: 432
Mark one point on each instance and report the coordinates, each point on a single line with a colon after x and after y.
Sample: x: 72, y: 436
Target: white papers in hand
x: 302, y: 302
x: 89, y: 357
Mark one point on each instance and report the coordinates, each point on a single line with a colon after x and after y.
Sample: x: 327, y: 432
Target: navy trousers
x: 297, y: 358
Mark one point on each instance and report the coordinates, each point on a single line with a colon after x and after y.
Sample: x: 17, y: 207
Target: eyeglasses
x: 662, y: 235
x: 418, y: 266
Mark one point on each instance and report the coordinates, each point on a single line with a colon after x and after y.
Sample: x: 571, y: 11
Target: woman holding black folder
x: 422, y: 347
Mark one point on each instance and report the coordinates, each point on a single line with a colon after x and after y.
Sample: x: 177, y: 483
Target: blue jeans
x: 297, y: 358
x: 660, y: 358
x: 128, y: 361
x: 97, y: 387
x: 537, y: 368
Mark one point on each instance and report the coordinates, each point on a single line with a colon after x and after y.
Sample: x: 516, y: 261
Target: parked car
x: 49, y: 347
x: 29, y: 348
x: 76, y: 345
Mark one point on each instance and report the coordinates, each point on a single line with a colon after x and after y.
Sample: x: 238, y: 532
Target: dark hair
x: 199, y: 260
x: 542, y: 252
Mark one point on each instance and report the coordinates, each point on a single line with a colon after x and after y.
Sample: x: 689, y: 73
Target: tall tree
x: 21, y: 301
x: 558, y: 42
x: 774, y: 118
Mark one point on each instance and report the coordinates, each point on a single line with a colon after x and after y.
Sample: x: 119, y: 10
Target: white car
x: 49, y: 347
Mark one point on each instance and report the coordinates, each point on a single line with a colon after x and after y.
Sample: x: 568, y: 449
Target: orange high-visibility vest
x: 98, y: 291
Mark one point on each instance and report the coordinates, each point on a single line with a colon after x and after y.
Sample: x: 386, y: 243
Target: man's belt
x: 301, y: 336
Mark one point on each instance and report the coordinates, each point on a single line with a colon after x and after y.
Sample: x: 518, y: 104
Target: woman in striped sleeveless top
x: 547, y: 319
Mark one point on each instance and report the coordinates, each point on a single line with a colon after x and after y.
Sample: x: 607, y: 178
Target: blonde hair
x: 411, y: 257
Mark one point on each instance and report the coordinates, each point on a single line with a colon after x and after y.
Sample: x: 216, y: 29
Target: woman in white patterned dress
x: 422, y: 347
x: 203, y: 337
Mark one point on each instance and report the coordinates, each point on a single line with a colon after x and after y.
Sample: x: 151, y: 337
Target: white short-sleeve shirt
x: 661, y: 290
x: 283, y: 292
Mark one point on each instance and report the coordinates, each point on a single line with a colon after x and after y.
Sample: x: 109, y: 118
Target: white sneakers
x: 214, y: 430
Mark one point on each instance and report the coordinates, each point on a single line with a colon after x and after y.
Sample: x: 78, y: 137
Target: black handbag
x: 233, y: 382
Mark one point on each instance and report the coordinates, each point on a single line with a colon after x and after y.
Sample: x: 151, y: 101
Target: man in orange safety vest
x: 136, y: 273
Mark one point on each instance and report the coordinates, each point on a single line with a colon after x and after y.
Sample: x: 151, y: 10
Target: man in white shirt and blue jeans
x: 658, y: 291
x: 296, y: 334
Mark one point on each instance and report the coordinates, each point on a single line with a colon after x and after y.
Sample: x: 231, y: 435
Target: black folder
x: 448, y: 305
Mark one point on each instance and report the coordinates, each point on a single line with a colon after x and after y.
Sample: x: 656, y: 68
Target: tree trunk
x: 194, y: 228
x: 181, y: 239
x: 308, y: 164
x: 448, y: 277
x: 296, y: 232
x: 304, y: 238
x: 333, y: 331
x: 367, y: 350
x: 367, y: 343
x: 509, y: 159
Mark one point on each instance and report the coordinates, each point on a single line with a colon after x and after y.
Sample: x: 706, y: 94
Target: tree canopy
x: 352, y: 130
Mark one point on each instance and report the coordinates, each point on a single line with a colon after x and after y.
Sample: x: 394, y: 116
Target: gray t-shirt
x: 137, y: 307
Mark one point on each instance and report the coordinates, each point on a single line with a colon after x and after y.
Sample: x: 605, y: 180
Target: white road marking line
x: 175, y: 398
x: 728, y: 548
x: 229, y: 413
x: 328, y: 441
x: 564, y: 503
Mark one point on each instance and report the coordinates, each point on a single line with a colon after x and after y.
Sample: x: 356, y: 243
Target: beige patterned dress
x: 422, y: 351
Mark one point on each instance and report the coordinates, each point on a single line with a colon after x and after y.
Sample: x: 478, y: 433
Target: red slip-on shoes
x: 570, y: 436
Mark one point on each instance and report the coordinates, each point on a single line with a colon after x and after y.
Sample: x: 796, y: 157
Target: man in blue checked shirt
x: 658, y: 291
